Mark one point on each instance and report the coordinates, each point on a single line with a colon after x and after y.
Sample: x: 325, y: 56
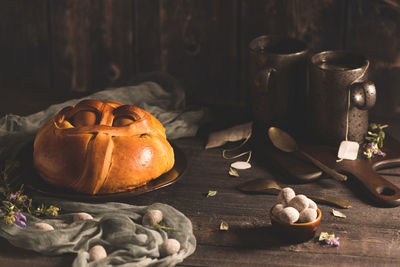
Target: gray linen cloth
x: 165, y: 103
x: 116, y: 226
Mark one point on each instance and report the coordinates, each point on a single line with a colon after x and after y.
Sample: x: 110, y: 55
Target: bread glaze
x: 102, y: 147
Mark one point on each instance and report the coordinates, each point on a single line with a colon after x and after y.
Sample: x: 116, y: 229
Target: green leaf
x: 325, y: 235
x: 211, y: 193
x: 224, y: 226
x: 380, y: 143
x: 233, y: 172
x: 339, y: 214
x: 373, y: 126
x: 161, y: 225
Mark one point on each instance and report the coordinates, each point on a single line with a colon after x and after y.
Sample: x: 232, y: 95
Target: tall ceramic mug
x: 277, y: 68
x: 340, y: 96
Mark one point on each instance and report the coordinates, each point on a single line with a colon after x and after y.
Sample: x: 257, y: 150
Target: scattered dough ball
x: 308, y: 215
x: 169, y: 247
x: 97, y: 253
x: 312, y: 204
x: 152, y: 217
x: 299, y: 202
x: 277, y: 209
x: 289, y: 215
x: 43, y: 226
x: 81, y: 216
x: 285, y: 195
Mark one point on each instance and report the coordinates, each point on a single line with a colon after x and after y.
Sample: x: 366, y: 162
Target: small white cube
x: 348, y: 150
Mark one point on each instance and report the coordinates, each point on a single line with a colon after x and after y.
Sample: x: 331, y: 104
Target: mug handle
x: 363, y: 95
x: 263, y: 79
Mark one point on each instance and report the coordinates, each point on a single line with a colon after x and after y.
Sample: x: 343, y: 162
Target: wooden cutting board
x: 364, y: 170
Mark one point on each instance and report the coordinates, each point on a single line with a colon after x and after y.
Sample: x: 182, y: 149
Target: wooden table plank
x: 369, y: 235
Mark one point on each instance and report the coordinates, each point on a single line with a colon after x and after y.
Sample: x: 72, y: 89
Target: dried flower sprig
x: 161, y: 225
x: 329, y: 239
x: 375, y: 137
x: 13, y: 203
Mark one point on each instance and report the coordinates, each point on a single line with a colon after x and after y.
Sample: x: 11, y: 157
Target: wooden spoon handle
x: 342, y: 203
x: 331, y: 172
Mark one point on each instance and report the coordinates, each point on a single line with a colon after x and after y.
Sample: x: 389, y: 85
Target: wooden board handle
x: 382, y: 190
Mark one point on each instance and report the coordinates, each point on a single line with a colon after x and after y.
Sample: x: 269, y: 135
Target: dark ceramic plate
x: 33, y: 182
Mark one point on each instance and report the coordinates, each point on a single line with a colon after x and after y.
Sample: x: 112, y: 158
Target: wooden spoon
x: 286, y: 143
x: 266, y: 185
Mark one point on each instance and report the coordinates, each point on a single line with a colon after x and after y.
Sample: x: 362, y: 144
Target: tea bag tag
x: 241, y: 165
x: 348, y: 150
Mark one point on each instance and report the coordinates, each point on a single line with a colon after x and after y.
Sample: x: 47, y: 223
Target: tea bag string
x: 235, y: 148
x: 348, y: 100
x: 349, y: 104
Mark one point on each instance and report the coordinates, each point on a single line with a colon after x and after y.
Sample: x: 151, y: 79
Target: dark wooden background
x: 51, y: 51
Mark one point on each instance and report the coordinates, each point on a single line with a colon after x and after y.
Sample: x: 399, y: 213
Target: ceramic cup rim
x: 324, y: 56
x: 299, y: 49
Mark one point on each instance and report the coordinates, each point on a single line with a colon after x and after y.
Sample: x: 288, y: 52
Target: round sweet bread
x: 99, y: 147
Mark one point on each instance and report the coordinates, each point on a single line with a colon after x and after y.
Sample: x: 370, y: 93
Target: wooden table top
x: 369, y: 236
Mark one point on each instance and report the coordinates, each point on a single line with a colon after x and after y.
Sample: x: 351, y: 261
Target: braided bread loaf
x: 102, y: 147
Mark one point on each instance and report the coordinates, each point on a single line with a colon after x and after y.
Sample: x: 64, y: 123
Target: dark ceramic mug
x: 277, y: 68
x: 340, y: 96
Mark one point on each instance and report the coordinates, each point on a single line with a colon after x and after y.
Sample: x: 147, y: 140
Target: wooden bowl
x: 296, y: 231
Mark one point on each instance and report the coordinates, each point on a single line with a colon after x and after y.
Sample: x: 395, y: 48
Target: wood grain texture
x: 24, y: 45
x: 147, y: 44
x: 321, y: 24
x: 92, y: 43
x: 369, y: 235
x: 374, y: 30
x: 198, y: 46
x: 85, y: 46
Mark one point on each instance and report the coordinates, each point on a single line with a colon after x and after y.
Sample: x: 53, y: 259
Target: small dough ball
x: 277, y: 209
x: 299, y: 202
x: 308, y: 215
x: 152, y: 217
x: 169, y: 247
x: 285, y: 195
x: 82, y: 216
x: 43, y: 226
x: 289, y: 215
x: 312, y: 204
x: 97, y: 253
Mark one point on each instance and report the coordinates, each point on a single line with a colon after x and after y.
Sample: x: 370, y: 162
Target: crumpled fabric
x: 166, y: 103
x: 115, y: 226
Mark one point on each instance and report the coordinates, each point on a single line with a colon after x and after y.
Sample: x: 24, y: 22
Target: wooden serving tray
x: 362, y: 169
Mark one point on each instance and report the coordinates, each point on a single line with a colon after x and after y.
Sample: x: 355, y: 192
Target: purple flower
x: 20, y: 219
x: 332, y: 241
x: 381, y: 153
x: 370, y: 145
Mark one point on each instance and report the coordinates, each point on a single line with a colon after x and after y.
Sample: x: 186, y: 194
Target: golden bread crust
x: 102, y: 147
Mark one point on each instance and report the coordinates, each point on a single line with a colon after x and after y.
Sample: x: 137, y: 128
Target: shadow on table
x: 261, y: 237
x: 13, y: 256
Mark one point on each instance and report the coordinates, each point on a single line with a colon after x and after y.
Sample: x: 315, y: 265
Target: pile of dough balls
x: 292, y: 208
